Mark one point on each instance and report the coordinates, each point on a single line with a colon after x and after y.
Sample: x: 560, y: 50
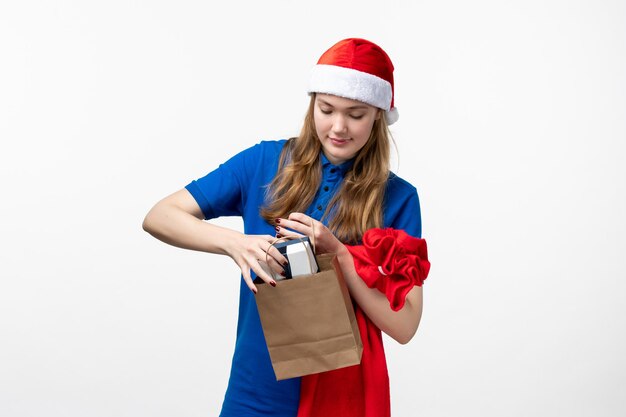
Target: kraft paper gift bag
x: 309, y: 322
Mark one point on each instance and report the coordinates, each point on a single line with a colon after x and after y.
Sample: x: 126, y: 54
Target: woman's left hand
x: 320, y: 235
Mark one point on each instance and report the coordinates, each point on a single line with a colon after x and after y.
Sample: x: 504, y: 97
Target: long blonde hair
x: 358, y: 204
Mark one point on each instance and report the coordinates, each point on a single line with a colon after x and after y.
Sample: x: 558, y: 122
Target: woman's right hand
x: 249, y: 251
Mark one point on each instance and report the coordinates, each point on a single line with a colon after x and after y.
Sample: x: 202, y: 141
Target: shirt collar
x: 343, y: 168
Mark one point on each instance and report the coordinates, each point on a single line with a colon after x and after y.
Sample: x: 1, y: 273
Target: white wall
x: 513, y: 123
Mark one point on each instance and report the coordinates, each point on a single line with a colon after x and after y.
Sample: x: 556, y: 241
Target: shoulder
x: 399, y: 186
x: 262, y: 154
x: 271, y: 145
x: 264, y: 149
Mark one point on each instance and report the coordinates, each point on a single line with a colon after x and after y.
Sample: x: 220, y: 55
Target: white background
x: 512, y: 127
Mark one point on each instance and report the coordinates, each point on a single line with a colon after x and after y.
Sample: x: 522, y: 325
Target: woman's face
x: 342, y: 125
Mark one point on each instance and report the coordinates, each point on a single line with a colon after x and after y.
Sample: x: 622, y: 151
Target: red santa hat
x: 357, y: 69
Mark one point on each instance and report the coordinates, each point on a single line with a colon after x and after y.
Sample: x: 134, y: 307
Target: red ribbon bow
x: 391, y: 261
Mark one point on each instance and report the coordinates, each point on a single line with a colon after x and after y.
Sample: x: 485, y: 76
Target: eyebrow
x: 358, y: 106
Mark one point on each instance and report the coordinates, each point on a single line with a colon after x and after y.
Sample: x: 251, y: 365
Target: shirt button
x: 326, y: 188
x: 320, y: 208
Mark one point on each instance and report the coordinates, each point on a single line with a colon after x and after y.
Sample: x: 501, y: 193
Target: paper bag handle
x: 312, y: 239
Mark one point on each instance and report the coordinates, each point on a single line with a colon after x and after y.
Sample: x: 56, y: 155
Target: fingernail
x: 254, y: 291
x: 283, y: 273
x: 277, y: 220
x: 273, y: 283
x: 277, y: 228
x: 279, y: 235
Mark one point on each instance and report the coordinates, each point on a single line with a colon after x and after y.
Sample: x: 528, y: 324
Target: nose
x: 339, y: 123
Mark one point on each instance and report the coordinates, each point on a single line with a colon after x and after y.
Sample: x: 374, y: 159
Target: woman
x: 333, y: 180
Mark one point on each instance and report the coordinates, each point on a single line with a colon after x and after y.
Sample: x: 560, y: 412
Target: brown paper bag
x: 309, y: 322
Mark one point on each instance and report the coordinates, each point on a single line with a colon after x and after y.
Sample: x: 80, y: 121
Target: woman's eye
x: 356, y: 116
x: 326, y: 111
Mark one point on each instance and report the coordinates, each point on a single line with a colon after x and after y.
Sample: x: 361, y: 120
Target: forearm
x: 173, y: 225
x: 400, y: 325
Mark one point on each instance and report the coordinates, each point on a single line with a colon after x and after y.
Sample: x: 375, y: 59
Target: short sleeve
x: 402, y: 207
x: 410, y: 217
x: 222, y: 192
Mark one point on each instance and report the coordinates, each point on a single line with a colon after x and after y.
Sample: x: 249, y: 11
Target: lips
x: 338, y: 141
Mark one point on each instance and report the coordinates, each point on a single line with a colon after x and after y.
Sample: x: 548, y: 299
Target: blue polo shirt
x: 237, y: 188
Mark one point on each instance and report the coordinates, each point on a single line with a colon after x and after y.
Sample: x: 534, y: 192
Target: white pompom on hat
x: 359, y: 70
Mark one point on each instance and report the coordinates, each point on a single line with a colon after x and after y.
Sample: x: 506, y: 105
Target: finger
x: 309, y: 225
x: 290, y: 234
x: 276, y: 261
x: 245, y: 273
x: 276, y: 267
x: 300, y: 217
x: 270, y: 253
x: 272, y: 258
x: 260, y: 272
x: 303, y: 228
x: 275, y: 255
x: 261, y: 256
